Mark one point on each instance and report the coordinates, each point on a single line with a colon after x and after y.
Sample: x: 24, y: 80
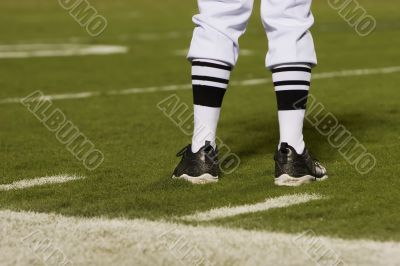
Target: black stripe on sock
x: 291, y: 99
x: 284, y: 69
x: 208, y: 96
x: 213, y: 79
x: 213, y: 65
x: 291, y: 82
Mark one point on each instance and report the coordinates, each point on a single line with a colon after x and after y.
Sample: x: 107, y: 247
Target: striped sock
x: 292, y: 83
x: 210, y: 79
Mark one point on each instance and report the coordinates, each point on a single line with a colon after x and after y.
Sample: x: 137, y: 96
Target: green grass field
x: 139, y: 143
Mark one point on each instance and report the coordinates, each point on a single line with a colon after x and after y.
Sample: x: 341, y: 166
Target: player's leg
x: 213, y: 52
x: 290, y: 57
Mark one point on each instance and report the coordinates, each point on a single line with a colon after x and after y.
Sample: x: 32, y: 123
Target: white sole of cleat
x: 287, y: 180
x: 198, y: 180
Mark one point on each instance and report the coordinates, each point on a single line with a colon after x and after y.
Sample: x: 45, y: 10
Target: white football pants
x: 221, y: 22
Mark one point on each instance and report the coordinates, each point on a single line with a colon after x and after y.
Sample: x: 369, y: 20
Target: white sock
x: 205, y: 126
x: 291, y: 129
x: 292, y: 82
x: 210, y: 79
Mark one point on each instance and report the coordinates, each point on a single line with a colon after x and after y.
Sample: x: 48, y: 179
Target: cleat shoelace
x: 182, y: 151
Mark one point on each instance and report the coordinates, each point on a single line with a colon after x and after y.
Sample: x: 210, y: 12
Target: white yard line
x: 28, y: 238
x: 272, y: 203
x: 327, y: 75
x: 247, y: 83
x: 41, y: 181
x: 155, y: 36
x: 141, y: 36
x: 54, y: 50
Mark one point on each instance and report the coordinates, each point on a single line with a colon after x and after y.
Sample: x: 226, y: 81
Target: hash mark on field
x: 41, y: 181
x: 272, y: 203
x: 53, y: 50
x: 249, y: 82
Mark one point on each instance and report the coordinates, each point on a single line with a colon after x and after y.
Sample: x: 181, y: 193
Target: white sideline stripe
x: 100, y: 241
x: 272, y: 203
x: 52, y: 50
x: 249, y: 82
x: 41, y: 181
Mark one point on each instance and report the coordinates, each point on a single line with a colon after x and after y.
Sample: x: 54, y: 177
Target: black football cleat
x: 198, y: 168
x: 292, y: 169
